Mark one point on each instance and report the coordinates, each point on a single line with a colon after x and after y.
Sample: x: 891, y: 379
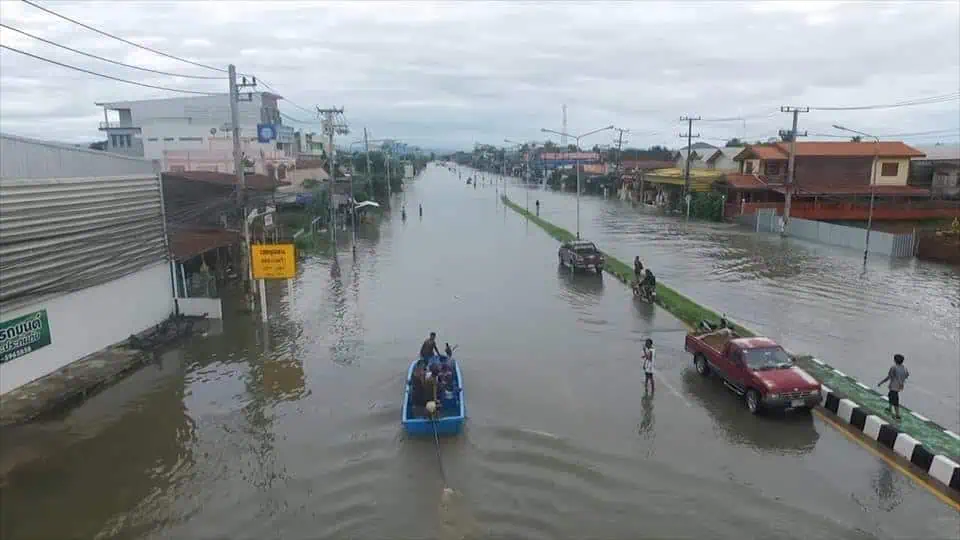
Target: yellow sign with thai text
x: 273, y: 261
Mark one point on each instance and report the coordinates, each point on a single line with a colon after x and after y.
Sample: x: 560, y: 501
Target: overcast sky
x: 451, y: 74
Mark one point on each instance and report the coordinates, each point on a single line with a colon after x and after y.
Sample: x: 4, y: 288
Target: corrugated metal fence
x: 63, y: 234
x: 882, y: 243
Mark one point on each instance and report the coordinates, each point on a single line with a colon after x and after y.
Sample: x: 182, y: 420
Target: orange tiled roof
x: 781, y: 150
x: 745, y: 181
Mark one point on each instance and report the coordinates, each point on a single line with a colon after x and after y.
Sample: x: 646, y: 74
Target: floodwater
x: 294, y: 432
x: 813, y: 298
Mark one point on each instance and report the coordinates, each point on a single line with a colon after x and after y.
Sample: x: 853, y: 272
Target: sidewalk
x: 67, y: 385
x: 917, y: 439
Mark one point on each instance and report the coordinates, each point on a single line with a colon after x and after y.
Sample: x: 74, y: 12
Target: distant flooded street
x: 814, y: 298
x: 292, y: 430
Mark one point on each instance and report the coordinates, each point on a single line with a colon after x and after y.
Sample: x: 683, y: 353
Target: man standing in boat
x: 429, y: 348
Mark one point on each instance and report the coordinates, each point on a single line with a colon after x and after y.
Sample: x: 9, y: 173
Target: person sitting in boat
x: 420, y: 394
x: 429, y: 348
x: 448, y: 351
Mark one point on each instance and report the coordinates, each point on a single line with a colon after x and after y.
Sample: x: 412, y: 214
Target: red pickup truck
x: 756, y: 368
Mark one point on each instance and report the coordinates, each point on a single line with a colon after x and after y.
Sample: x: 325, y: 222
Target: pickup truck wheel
x: 701, y: 364
x: 753, y: 401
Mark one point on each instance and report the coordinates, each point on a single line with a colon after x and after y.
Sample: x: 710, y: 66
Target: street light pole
x: 873, y: 185
x: 577, y: 160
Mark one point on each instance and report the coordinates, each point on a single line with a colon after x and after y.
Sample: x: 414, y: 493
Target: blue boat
x: 453, y: 411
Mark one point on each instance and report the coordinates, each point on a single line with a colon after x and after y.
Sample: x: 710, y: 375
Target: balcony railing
x: 115, y: 125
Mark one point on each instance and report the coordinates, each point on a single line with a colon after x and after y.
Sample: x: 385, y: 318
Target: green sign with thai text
x: 23, y: 335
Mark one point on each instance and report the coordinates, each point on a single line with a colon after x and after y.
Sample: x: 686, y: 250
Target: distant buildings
x: 194, y: 133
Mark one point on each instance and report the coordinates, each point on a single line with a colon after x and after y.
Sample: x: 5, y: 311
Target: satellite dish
x: 213, y: 131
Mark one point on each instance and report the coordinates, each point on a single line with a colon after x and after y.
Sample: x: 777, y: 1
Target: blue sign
x: 266, y: 133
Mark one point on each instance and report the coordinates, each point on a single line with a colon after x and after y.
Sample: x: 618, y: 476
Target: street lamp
x: 577, y: 160
x: 873, y: 183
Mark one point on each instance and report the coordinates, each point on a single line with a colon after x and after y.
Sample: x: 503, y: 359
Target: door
x: 739, y: 374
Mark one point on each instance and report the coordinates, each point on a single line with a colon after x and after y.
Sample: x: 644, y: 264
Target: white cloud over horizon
x: 451, y: 74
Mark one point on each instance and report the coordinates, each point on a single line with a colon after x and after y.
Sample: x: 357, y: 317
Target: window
x: 127, y: 141
x: 152, y: 139
x: 191, y: 139
x: 113, y: 141
x: 772, y: 169
x: 889, y: 169
x: 178, y: 168
x: 748, y: 167
x: 169, y: 138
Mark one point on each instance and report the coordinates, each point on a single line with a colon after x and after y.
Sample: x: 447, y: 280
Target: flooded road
x: 294, y: 432
x: 813, y: 298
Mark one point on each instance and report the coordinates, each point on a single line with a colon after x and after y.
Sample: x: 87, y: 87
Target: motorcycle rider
x: 648, y: 285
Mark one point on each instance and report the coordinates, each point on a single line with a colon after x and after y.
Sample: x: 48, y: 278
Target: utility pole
x: 620, y: 147
x: 333, y: 124
x: 239, y: 170
x: 386, y: 161
x: 366, y: 146
x: 689, y: 136
x: 792, y: 134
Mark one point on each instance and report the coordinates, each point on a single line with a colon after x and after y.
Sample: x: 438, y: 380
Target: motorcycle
x: 644, y: 293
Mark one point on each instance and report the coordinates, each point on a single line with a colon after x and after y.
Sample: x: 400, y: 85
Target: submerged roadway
x: 293, y: 431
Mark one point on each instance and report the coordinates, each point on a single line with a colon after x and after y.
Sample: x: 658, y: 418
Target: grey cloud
x: 454, y: 73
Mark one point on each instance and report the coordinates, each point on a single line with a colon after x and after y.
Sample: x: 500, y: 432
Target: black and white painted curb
x: 938, y: 466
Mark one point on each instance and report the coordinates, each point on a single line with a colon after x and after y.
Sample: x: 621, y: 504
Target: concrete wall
x: 881, y: 243
x: 91, y: 319
x: 903, y: 170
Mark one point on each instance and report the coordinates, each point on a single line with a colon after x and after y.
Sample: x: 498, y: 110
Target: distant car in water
x: 581, y: 255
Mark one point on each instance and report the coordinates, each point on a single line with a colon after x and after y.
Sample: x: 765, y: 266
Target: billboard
x: 273, y: 261
x: 563, y: 159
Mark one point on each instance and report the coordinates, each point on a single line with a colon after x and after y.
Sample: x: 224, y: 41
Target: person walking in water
x: 649, y: 355
x: 538, y: 207
x: 897, y: 377
x: 421, y: 209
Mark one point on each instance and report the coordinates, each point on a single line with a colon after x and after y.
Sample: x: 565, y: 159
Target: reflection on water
x: 773, y: 432
x: 814, y: 298
x: 291, y: 430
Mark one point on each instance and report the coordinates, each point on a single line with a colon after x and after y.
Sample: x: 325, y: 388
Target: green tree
x: 734, y: 142
x: 856, y: 138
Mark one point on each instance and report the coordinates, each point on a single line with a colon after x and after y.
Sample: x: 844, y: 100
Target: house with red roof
x: 833, y: 180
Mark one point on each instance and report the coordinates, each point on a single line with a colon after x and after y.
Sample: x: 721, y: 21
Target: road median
x: 915, y: 438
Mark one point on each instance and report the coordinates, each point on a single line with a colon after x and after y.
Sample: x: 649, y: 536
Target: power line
x: 118, y: 38
x: 292, y: 119
x: 55, y: 44
x: 291, y: 102
x: 111, y: 77
x: 907, y: 103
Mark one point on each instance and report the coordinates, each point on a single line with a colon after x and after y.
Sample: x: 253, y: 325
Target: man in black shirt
x: 429, y: 347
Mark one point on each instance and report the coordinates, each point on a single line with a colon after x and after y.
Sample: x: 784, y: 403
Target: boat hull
x: 453, y: 413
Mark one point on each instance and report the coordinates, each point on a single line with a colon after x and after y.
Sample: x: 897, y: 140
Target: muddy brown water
x: 293, y: 431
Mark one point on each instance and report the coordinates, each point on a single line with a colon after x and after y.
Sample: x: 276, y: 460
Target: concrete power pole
x: 792, y: 137
x: 366, y: 147
x: 239, y: 170
x: 689, y: 136
x: 332, y: 125
x: 563, y: 138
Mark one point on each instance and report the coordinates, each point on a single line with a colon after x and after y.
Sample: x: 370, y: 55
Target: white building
x: 83, y: 255
x: 721, y: 159
x: 148, y: 128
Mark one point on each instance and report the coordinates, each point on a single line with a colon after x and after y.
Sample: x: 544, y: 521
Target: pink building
x: 218, y: 157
